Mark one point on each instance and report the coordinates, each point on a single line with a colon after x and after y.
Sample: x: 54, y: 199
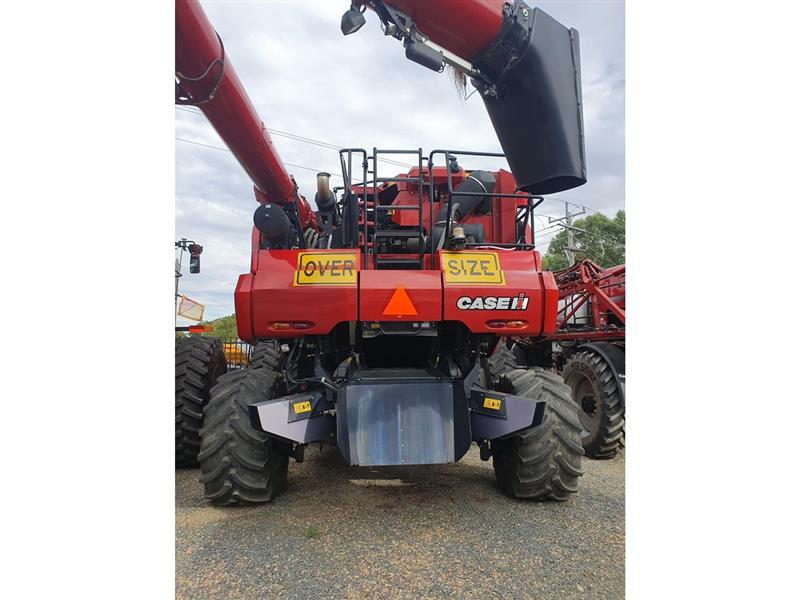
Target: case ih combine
x: 379, y: 320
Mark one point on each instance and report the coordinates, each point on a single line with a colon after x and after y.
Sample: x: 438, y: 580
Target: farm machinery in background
x: 588, y: 349
x: 378, y: 319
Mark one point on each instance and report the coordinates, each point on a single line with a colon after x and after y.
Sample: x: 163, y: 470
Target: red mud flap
x: 495, y: 415
x: 301, y: 418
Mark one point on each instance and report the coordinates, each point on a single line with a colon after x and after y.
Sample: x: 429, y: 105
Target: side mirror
x: 352, y: 20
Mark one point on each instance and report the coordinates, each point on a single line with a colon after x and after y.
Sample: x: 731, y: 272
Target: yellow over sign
x: 472, y: 267
x: 326, y: 268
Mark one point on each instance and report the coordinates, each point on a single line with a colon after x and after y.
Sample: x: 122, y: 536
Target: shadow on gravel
x: 325, y: 478
x: 329, y: 471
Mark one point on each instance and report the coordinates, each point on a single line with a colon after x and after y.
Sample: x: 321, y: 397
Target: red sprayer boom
x: 592, y: 302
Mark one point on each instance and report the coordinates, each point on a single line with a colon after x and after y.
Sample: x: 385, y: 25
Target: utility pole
x: 566, y: 222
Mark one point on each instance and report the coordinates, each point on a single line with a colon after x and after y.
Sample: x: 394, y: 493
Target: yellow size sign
x: 472, y: 267
x: 492, y: 403
x: 326, y: 268
x: 301, y: 407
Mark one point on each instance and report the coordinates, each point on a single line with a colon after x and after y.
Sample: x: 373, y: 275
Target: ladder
x: 375, y: 218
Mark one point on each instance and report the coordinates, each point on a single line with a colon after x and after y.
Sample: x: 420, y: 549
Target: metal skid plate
x: 396, y: 417
x: 495, y: 415
x: 299, y: 418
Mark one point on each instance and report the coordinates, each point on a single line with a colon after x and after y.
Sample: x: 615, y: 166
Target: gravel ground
x: 403, y: 532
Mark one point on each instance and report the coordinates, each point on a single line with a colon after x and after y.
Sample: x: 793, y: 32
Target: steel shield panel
x: 383, y: 423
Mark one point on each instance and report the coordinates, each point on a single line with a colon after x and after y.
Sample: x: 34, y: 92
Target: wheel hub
x: 589, y: 405
x: 589, y: 413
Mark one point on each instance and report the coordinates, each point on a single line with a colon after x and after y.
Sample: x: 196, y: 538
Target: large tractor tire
x: 504, y: 359
x: 599, y: 400
x: 542, y: 462
x: 265, y: 354
x: 240, y: 464
x: 199, y: 361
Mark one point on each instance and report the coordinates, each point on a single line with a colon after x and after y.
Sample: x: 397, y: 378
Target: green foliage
x: 224, y: 328
x: 602, y: 240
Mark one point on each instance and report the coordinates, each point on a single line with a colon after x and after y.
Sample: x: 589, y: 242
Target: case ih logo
x: 493, y: 302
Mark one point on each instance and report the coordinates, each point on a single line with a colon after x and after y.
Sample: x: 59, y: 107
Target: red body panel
x: 376, y: 289
x: 521, y: 277
x: 550, y: 301
x: 242, y: 306
x: 272, y: 295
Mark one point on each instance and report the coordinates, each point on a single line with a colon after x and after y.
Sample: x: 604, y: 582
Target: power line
x: 301, y: 138
x: 226, y: 150
x: 575, y: 204
x: 543, y: 229
x: 322, y: 144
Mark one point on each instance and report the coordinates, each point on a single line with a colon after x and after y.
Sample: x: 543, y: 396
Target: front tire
x: 599, y: 400
x: 199, y: 361
x: 240, y: 464
x: 541, y: 462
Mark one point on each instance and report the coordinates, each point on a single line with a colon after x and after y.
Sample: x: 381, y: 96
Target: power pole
x: 566, y: 223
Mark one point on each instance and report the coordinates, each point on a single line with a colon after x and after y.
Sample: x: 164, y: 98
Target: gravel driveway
x: 403, y: 532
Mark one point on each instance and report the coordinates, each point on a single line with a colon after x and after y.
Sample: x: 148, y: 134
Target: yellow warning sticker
x: 472, y: 267
x: 493, y: 403
x: 326, y: 268
x: 301, y: 407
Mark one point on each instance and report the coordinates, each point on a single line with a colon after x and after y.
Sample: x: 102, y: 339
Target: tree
x: 599, y: 238
x: 224, y: 328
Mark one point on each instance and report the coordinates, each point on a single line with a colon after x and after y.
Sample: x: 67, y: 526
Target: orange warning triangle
x: 400, y: 305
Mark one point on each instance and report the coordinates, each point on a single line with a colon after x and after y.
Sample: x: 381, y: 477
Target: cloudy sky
x: 306, y: 79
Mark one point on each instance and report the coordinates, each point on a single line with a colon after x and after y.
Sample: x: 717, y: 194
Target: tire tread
x: 542, y: 462
x: 239, y: 464
x: 611, y: 435
x: 199, y: 360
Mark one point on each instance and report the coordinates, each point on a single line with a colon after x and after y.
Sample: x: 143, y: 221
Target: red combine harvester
x: 376, y: 317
